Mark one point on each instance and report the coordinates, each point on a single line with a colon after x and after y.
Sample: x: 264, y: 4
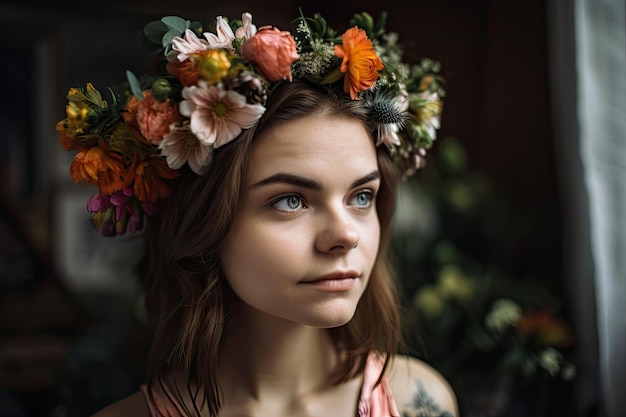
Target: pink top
x: 375, y: 401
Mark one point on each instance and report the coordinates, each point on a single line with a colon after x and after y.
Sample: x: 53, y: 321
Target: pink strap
x: 157, y: 407
x: 376, y: 401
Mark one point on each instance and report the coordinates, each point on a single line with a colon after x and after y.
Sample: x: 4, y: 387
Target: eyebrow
x: 308, y: 183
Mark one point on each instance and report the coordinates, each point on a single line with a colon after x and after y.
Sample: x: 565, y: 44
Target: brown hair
x: 187, y: 295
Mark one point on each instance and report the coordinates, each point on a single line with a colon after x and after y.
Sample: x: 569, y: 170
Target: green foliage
x: 478, y: 309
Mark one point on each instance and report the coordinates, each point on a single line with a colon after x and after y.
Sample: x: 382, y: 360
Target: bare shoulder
x: 420, y: 390
x: 131, y: 406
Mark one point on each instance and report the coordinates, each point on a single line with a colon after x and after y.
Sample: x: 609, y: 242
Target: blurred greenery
x: 480, y: 273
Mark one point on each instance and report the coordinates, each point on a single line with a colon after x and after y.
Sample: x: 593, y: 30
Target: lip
x: 334, y: 282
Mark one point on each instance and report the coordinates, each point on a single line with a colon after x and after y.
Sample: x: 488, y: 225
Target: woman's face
x: 305, y: 239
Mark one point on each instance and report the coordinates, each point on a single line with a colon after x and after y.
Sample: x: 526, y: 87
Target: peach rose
x: 273, y: 51
x: 154, y: 117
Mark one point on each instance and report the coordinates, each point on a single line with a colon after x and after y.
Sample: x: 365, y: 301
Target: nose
x: 338, y: 231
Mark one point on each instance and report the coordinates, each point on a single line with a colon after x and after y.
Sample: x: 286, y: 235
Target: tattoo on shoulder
x: 423, y: 404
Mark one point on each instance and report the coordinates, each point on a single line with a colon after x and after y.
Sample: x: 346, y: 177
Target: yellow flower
x: 360, y: 61
x: 429, y: 301
x: 89, y: 95
x: 212, y: 64
x: 76, y: 122
x: 454, y: 284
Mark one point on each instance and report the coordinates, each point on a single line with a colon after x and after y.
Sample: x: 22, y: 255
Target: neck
x: 265, y: 356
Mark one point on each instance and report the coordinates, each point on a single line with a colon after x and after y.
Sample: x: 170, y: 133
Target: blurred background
x: 509, y: 245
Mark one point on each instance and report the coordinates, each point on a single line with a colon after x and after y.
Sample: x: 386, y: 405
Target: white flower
x: 388, y: 134
x: 188, y: 45
x: 504, y: 313
x: 550, y: 360
x: 428, y: 111
x: 217, y: 115
x: 247, y: 30
x: 180, y: 146
x: 224, y: 37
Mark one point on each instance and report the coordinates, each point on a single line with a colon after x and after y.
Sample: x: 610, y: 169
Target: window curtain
x: 587, y: 44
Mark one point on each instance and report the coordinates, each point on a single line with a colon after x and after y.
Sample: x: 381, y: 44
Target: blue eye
x: 363, y: 199
x: 289, y: 202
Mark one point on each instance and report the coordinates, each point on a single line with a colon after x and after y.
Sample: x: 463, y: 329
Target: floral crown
x: 216, y: 83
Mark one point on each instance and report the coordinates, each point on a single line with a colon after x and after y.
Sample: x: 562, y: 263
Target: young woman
x: 267, y: 275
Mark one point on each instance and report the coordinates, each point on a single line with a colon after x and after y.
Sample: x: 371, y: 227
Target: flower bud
x: 161, y: 89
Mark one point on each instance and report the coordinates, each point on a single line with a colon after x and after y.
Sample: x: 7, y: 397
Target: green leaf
x: 363, y: 20
x: 196, y: 26
x: 167, y: 37
x: 528, y: 367
x: 381, y: 24
x: 332, y: 77
x: 177, y: 23
x: 114, y: 100
x: 134, y: 85
x: 154, y: 31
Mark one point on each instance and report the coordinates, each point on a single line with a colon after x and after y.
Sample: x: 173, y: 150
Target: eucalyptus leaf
x: 154, y: 31
x: 134, y: 85
x: 167, y: 37
x: 176, y: 22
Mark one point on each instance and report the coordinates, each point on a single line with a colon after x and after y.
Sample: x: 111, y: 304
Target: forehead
x: 313, y: 144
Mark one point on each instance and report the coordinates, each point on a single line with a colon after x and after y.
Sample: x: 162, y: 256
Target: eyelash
x: 284, y: 197
x: 371, y: 197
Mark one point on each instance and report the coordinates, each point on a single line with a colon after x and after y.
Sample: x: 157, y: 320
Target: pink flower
x: 181, y: 146
x: 273, y: 51
x: 188, y: 45
x: 247, y: 30
x: 217, y: 115
x: 224, y: 37
x: 98, y: 203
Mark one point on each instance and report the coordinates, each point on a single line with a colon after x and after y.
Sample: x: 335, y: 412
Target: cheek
x: 371, y: 240
x: 253, y: 257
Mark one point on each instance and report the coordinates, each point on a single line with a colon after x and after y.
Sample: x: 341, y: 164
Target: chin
x: 328, y: 320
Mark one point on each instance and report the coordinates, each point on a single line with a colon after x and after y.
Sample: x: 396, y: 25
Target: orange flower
x: 273, y: 51
x: 99, y: 166
x: 187, y: 72
x: 546, y: 328
x: 360, y: 61
x: 150, y: 175
x: 67, y: 142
